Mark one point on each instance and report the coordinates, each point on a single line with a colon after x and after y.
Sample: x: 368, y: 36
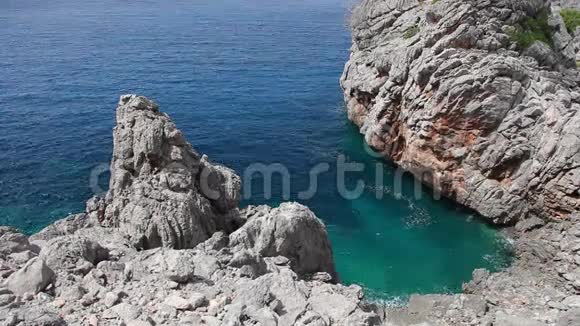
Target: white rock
x: 34, y: 277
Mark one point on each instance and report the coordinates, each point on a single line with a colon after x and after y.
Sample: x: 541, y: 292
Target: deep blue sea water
x: 247, y: 81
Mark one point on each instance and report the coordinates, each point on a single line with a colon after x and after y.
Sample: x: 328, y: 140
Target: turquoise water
x: 248, y: 81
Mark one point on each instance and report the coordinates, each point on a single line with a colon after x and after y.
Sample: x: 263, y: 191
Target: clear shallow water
x: 247, y: 81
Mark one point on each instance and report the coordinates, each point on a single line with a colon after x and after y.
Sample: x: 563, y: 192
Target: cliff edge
x: 478, y: 99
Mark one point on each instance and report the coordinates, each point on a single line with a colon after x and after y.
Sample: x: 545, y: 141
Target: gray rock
x: 12, y: 241
x: 177, y: 265
x: 292, y: 231
x: 34, y: 277
x: 161, y: 192
x: 530, y: 223
x: 6, y: 299
x: 43, y: 318
x: 490, y: 127
x: 572, y: 301
x: 22, y: 257
x: 138, y: 323
x: 111, y: 299
x: 197, y: 300
x: 66, y: 226
x: 11, y: 320
x: 71, y: 251
x: 126, y: 312
x: 571, y: 317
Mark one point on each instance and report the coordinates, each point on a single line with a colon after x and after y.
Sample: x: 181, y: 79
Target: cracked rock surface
x: 441, y: 89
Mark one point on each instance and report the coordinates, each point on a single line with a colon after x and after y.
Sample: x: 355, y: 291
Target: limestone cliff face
x: 444, y: 91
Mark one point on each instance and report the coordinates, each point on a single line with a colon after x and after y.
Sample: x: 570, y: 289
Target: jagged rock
x: 572, y: 301
x: 6, y: 299
x: 441, y: 89
x: 292, y: 231
x: 34, y: 277
x: 111, y: 299
x: 161, y: 192
x: 176, y: 265
x: 43, y: 318
x: 126, y: 312
x: 197, y: 300
x: 530, y: 223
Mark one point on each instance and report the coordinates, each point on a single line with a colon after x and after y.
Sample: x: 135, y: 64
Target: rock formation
x: 445, y: 90
x: 469, y: 96
x: 119, y: 263
x: 157, y: 195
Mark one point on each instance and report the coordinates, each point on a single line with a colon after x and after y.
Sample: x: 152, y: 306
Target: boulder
x: 292, y: 231
x: 34, y: 277
x: 178, y: 303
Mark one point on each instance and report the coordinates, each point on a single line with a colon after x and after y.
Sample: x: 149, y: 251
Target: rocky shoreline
x: 427, y: 83
x: 112, y: 265
x: 160, y: 249
x: 467, y: 97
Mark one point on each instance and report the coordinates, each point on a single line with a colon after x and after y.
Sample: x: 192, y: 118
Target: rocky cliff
x: 479, y: 99
x: 170, y: 246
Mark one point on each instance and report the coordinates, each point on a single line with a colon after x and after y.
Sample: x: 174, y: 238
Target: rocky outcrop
x: 448, y: 91
x: 162, y: 192
x: 169, y: 246
x: 290, y: 230
x: 443, y: 89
